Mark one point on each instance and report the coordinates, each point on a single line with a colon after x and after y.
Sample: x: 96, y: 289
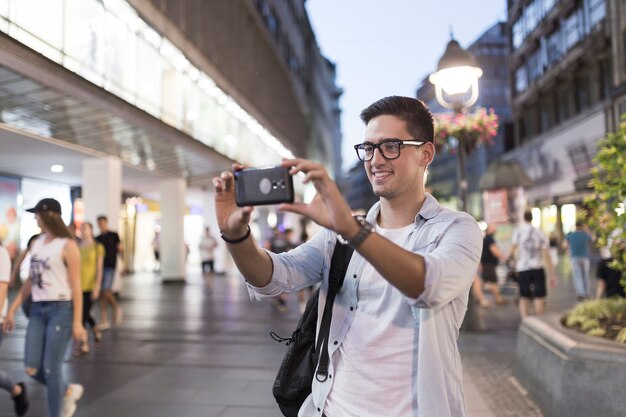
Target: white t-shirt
x: 530, y: 244
x: 377, y: 353
x: 5, y: 276
x: 48, y: 272
x: 207, y: 247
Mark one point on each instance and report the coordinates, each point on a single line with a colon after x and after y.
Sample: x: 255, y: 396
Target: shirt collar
x: 429, y: 209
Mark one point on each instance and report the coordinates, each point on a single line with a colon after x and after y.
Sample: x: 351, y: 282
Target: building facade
x: 139, y: 104
x: 567, y: 69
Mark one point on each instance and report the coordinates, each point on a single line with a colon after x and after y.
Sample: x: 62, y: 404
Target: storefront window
x: 536, y: 222
x: 84, y: 35
x: 521, y: 82
x: 568, y: 217
x: 534, y: 67
x: 531, y: 16
x: 149, y: 78
x: 553, y: 50
x: 548, y: 5
x: 548, y: 218
x: 597, y: 11
x: 518, y: 32
x: 120, y: 58
x: 189, y: 105
x: 202, y: 124
x: 572, y: 29
x: 172, y: 96
x: 46, y: 24
x: 4, y: 15
x: 9, y: 222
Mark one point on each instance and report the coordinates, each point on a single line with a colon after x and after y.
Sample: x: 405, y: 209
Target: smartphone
x: 261, y: 186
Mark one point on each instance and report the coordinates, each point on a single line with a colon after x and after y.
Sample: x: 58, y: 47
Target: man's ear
x: 427, y: 155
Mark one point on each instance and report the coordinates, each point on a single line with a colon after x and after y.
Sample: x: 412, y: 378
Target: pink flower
x: 475, y: 129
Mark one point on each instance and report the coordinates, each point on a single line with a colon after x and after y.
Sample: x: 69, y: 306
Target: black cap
x: 46, y: 204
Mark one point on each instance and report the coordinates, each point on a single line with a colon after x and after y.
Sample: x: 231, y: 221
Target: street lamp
x: 456, y: 88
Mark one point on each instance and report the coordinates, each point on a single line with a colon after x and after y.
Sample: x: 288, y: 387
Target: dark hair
x: 32, y: 239
x: 418, y: 118
x: 579, y: 223
x: 54, y: 224
x: 528, y: 216
x: 102, y: 217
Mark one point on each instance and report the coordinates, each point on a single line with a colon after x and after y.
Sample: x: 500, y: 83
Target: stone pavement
x: 187, y: 351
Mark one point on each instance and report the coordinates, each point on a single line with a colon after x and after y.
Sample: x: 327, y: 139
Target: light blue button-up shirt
x: 451, y: 244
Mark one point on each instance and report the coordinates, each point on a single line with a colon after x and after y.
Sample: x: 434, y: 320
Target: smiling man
x: 396, y: 320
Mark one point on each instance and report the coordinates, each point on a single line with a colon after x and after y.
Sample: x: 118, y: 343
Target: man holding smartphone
x: 393, y: 337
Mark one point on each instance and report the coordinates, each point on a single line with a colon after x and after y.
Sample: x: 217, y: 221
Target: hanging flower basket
x: 469, y: 129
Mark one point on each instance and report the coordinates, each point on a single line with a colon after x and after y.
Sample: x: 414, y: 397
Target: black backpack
x: 295, y: 375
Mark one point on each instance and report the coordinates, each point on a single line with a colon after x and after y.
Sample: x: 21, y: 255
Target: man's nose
x: 377, y: 156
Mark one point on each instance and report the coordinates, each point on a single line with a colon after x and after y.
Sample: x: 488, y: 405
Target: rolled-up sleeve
x: 452, y: 264
x: 297, y: 269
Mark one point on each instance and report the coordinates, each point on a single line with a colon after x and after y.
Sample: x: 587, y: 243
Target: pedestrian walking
x: 395, y: 322
x: 112, y: 248
x: 16, y: 391
x: 156, y: 248
x: 609, y: 278
x: 91, y: 264
x: 489, y: 260
x: 207, y: 251
x: 578, y: 243
x: 56, y: 312
x: 532, y: 254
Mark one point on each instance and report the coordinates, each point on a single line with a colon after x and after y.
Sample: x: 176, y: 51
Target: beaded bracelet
x: 233, y: 241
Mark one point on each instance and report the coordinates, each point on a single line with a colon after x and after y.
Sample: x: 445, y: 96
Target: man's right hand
x: 231, y: 219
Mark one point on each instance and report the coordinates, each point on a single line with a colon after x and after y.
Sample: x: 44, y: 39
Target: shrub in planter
x: 601, y: 318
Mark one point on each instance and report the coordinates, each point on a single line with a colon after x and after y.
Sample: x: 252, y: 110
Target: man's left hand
x: 328, y: 208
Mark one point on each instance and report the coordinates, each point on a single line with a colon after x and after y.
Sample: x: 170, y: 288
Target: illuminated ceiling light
x: 56, y: 168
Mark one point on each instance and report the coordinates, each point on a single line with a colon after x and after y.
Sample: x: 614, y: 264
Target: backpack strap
x: 338, y: 266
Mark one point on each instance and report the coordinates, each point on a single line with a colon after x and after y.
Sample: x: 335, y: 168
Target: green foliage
x: 605, y: 208
x: 601, y: 318
x: 597, y: 332
x: 589, y: 324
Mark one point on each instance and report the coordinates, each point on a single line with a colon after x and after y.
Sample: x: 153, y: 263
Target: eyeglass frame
x: 378, y: 145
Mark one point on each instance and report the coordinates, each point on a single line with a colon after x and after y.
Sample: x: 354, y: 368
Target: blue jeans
x: 580, y: 275
x: 47, y: 337
x: 108, y: 275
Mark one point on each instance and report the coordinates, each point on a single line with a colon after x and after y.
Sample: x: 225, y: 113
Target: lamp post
x: 456, y: 88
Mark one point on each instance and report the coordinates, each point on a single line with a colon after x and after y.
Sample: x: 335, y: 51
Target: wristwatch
x: 366, y: 229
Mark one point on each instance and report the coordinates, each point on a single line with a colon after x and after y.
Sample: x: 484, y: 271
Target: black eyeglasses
x: 388, y: 148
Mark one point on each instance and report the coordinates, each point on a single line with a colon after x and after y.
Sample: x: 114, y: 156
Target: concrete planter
x: 570, y: 374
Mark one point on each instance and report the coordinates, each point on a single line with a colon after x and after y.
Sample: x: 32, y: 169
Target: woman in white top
x: 56, y: 313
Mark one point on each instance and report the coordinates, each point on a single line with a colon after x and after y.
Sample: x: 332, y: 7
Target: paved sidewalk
x: 489, y: 355
x: 185, y: 350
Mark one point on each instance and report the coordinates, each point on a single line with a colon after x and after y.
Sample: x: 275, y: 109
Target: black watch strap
x: 366, y: 229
